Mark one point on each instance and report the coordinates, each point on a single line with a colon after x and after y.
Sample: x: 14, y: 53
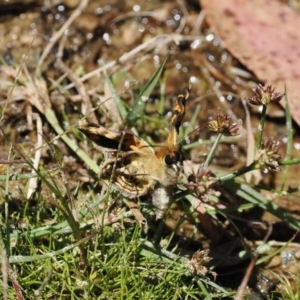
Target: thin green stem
x: 161, y: 104
x: 15, y: 177
x: 290, y: 142
x: 212, y: 151
x: 225, y: 139
x: 7, y: 215
x: 288, y: 162
x: 238, y: 172
x: 261, y: 127
x: 289, y: 126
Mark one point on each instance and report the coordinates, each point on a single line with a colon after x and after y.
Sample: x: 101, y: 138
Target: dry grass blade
x: 256, y: 174
x: 59, y: 33
x: 33, y: 181
x: 111, y: 107
x: 37, y: 94
x: 247, y: 275
x: 7, y: 269
x: 149, y: 45
x: 86, y: 101
x: 137, y: 214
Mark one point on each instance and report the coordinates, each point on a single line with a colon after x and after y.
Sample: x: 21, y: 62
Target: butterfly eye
x: 169, y: 160
x: 173, y: 158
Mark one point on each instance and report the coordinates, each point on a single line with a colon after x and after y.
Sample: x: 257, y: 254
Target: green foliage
x: 83, y: 254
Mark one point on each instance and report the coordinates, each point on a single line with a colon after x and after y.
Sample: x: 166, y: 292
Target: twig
x: 242, y: 287
x: 133, y: 14
x: 86, y: 105
x: 60, y: 32
x: 38, y: 292
x: 15, y: 177
x: 256, y: 174
x: 4, y: 274
x: 137, y: 214
x: 37, y: 95
x: 184, y: 17
x: 6, y: 267
x: 149, y: 45
x: 198, y: 24
x: 33, y: 181
x: 12, y: 88
x: 209, y: 228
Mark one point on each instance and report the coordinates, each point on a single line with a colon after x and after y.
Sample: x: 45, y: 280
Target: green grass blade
x: 192, y: 121
x: 289, y: 131
x: 162, y: 101
x: 251, y: 195
x: 137, y: 109
x: 289, y: 126
x: 117, y: 99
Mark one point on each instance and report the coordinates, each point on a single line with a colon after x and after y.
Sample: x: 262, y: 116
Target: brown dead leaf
x: 264, y: 35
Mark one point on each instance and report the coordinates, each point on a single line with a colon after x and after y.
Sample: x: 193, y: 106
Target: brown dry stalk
x: 86, y: 101
x: 7, y: 269
x: 57, y: 35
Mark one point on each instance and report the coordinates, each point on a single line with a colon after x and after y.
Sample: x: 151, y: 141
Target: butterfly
x: 135, y: 167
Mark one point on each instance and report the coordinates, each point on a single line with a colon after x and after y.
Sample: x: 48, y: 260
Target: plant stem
x: 287, y: 162
x: 261, y: 127
x: 212, y: 151
x: 14, y: 177
x: 238, y: 172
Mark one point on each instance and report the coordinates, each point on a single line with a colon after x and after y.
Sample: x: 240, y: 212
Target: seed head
x: 267, y: 156
x: 264, y: 95
x: 202, y: 183
x: 222, y: 124
x: 197, y: 263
